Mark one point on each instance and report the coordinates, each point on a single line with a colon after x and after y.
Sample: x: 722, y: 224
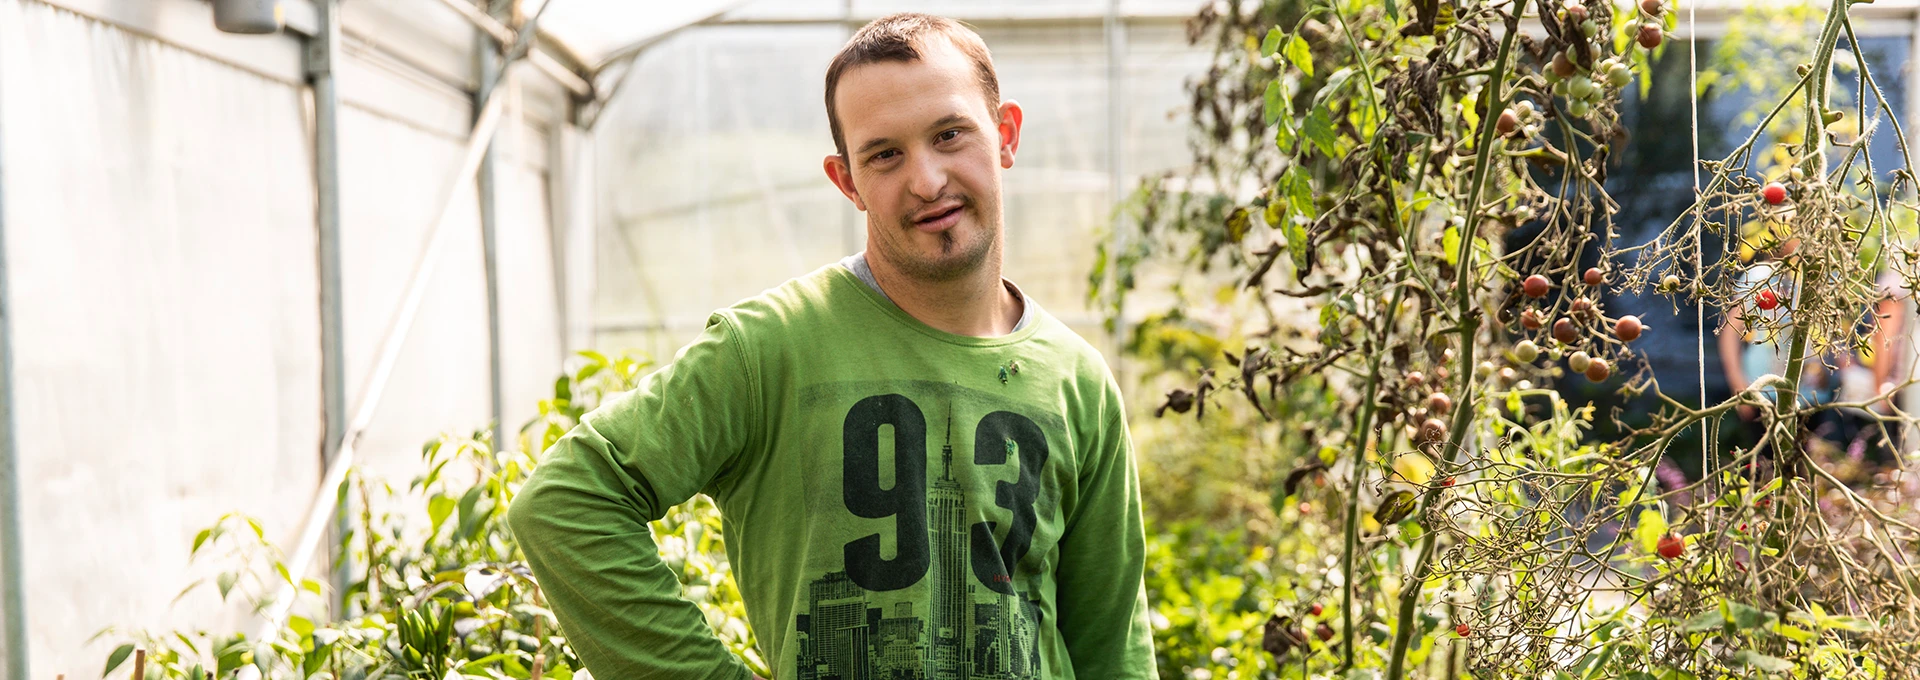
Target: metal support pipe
x: 492, y: 77
x: 321, y: 50
x: 327, y: 496
x: 1116, y: 30
x: 574, y: 82
x: 12, y: 590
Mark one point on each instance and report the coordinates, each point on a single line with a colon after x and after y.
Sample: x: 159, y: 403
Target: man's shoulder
x: 777, y: 311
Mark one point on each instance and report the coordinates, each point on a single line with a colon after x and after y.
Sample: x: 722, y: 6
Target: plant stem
x: 1814, y: 163
x: 1363, y: 435
x: 1469, y: 327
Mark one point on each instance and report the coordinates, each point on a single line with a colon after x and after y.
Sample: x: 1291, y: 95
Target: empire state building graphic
x: 967, y: 633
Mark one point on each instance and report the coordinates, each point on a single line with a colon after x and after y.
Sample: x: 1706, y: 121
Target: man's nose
x: 928, y: 177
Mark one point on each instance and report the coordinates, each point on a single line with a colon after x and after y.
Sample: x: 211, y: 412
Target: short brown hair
x: 900, y: 37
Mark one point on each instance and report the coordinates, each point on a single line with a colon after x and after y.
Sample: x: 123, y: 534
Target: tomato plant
x: 1399, y: 197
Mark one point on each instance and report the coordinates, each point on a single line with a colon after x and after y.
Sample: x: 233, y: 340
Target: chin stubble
x: 941, y: 270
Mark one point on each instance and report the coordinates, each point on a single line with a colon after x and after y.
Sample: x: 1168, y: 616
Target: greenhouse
x: 1359, y: 338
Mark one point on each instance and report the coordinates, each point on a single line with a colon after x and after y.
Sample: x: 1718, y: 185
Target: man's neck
x: 977, y: 305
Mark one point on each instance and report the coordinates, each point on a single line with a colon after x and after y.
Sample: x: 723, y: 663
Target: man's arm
x: 582, y: 517
x: 1100, y: 581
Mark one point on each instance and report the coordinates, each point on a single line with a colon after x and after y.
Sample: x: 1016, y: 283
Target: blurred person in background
x: 922, y: 473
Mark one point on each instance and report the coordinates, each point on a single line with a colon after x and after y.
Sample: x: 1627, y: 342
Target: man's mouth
x: 937, y: 220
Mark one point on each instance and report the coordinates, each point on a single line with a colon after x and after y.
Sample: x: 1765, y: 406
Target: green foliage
x: 438, y: 589
x: 1385, y: 447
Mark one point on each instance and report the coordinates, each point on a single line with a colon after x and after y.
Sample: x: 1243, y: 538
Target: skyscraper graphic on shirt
x: 968, y: 633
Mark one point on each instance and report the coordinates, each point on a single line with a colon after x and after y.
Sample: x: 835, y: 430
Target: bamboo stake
x: 139, y: 664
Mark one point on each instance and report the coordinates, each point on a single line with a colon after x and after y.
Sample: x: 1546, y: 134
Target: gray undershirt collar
x: 857, y: 263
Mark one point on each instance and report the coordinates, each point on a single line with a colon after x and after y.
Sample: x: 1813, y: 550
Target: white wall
x: 159, y: 206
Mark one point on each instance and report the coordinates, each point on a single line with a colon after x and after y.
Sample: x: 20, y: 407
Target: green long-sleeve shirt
x: 898, y: 502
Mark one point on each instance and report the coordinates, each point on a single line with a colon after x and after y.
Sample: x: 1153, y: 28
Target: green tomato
x: 1618, y: 75
x: 1580, y: 87
x: 1579, y: 108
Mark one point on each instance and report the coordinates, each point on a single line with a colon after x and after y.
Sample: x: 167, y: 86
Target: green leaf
x: 300, y: 625
x: 1795, y: 633
x: 119, y: 656
x: 1272, y: 42
x: 1393, y: 10
x: 1238, y: 222
x: 1758, y: 661
x: 1747, y: 617
x: 1450, y: 245
x: 1318, y: 129
x: 438, y: 509
x: 1396, y: 507
x: 225, y: 581
x: 1299, y: 54
x: 199, y: 540
x: 468, y: 518
x: 1300, y: 193
x: 1272, y: 103
x: 315, y: 659
x: 1651, y: 527
x: 1706, y: 621
x: 1294, y: 229
x: 480, y: 664
x: 1852, y: 623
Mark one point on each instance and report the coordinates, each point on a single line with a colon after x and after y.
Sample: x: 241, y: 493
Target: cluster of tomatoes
x: 1566, y: 332
x: 1575, y: 75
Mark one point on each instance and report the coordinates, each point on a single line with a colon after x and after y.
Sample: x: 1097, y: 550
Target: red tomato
x: 1650, y: 35
x: 1774, y: 193
x: 1598, y: 370
x: 1564, y: 331
x: 1314, y: 609
x: 1463, y: 630
x: 1535, y: 286
x: 1627, y: 328
x: 1671, y: 547
x: 1767, y: 300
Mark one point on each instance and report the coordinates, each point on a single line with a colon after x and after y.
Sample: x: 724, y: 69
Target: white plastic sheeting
x: 160, y: 211
x: 711, y: 188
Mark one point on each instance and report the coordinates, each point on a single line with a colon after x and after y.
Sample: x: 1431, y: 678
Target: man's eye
x: 949, y: 135
x: 883, y: 155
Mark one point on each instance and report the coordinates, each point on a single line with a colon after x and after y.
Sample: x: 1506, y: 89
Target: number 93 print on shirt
x: 945, y: 504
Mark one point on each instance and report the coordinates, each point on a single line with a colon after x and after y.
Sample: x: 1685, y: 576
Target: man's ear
x: 1010, y: 119
x: 842, y: 177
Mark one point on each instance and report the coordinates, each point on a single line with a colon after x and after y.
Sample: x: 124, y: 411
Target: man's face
x: 924, y: 155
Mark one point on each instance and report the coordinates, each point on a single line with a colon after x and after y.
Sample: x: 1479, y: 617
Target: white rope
x: 1699, y: 243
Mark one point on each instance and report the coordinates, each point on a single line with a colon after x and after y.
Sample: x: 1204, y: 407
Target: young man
x: 923, y: 474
